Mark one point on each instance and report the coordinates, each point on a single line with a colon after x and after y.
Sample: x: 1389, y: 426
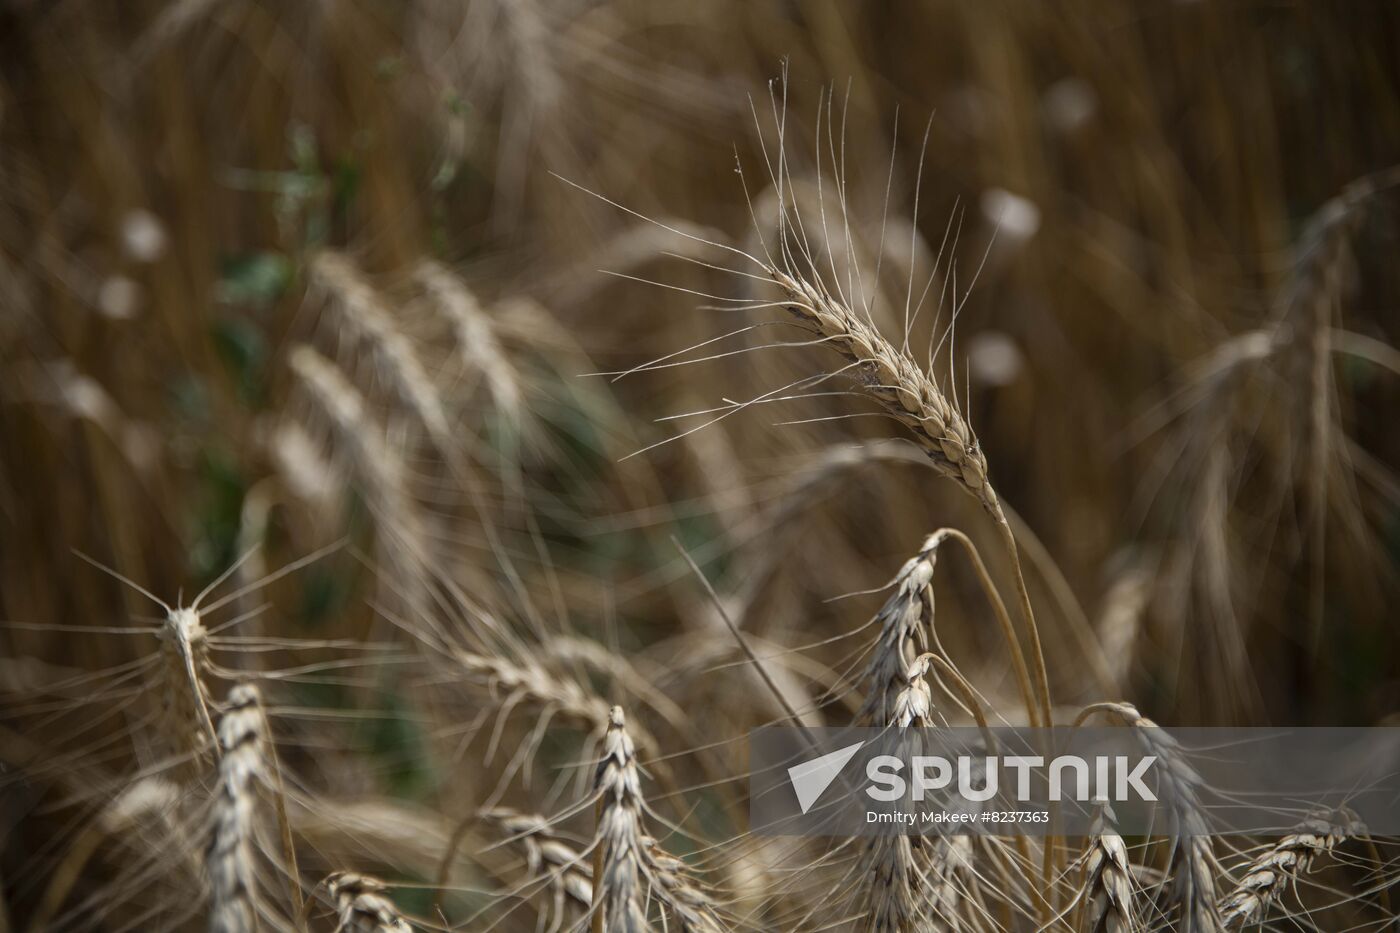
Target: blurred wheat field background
x: 424, y: 457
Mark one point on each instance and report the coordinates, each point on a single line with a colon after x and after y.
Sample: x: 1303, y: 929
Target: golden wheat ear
x: 234, y: 906
x: 1194, y: 867
x: 901, y: 882
x: 248, y: 772
x: 629, y: 869
x: 1104, y: 900
x: 364, y: 315
x: 1279, y: 866
x: 362, y: 906
x: 553, y: 863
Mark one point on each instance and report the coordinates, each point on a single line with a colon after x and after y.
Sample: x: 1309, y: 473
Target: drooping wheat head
x: 361, y: 905
x: 1279, y: 866
x: 548, y: 857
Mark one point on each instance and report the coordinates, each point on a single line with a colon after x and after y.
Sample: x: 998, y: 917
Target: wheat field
x: 434, y: 435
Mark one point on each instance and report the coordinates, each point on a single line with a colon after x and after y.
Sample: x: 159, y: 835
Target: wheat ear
x: 906, y: 620
x: 531, y: 681
x: 475, y: 335
x: 248, y: 761
x: 1194, y: 866
x: 890, y: 894
x: 617, y: 856
x: 691, y: 906
x: 185, y: 659
x: 531, y: 684
x: 937, y: 858
x: 546, y: 856
x: 890, y: 377
x: 361, y: 906
x: 365, y: 316
x: 1107, y: 888
x: 908, y: 882
x: 230, y: 854
x: 150, y: 799
x: 1278, y: 866
x: 185, y: 654
x: 379, y: 466
x: 628, y: 866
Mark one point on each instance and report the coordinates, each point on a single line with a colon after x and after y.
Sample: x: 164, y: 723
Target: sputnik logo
x: 811, y: 778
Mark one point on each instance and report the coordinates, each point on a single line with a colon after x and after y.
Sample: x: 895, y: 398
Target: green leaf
x: 256, y: 279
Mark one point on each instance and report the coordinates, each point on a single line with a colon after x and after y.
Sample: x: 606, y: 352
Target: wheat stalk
x: 885, y: 373
x: 905, y: 391
x: 890, y: 377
